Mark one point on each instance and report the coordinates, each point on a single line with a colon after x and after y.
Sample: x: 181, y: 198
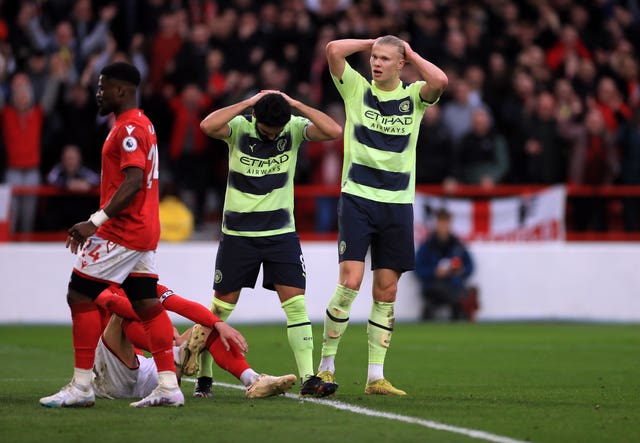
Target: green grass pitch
x: 527, y: 382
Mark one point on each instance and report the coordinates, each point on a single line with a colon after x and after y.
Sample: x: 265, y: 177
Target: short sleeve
x: 234, y: 124
x: 350, y: 83
x: 298, y: 125
x: 417, y: 86
x: 134, y: 146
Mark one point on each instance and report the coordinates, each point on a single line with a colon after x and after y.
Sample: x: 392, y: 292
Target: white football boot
x: 161, y: 396
x: 70, y: 396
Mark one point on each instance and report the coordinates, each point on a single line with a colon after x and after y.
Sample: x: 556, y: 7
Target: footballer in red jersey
x: 131, y: 143
x: 116, y: 246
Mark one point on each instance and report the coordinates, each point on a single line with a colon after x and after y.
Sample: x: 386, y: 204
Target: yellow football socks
x: 223, y: 310
x: 379, y: 330
x: 300, y: 334
x: 336, y: 321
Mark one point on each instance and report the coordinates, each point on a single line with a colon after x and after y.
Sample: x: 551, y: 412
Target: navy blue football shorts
x: 385, y: 227
x: 239, y: 258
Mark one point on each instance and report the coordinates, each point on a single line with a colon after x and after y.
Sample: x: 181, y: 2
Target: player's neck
x: 388, y: 85
x: 124, y: 108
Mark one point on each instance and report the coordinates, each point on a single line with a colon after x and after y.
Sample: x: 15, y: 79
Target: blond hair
x: 392, y: 40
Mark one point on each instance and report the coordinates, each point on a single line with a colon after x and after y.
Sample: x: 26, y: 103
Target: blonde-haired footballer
x: 378, y: 187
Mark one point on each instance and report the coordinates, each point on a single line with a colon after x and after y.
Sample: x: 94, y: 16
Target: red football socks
x: 111, y: 300
x: 232, y: 360
x: 86, y: 329
x: 158, y: 327
x: 190, y: 309
x: 136, y: 334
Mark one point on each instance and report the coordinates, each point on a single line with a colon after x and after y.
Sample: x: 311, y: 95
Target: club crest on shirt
x: 405, y: 106
x: 282, y: 143
x: 129, y: 144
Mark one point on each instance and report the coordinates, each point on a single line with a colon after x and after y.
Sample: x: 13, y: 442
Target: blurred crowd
x: 540, y: 91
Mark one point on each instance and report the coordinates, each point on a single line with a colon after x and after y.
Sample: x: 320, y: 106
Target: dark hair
x: 443, y: 214
x: 272, y: 110
x: 122, y: 71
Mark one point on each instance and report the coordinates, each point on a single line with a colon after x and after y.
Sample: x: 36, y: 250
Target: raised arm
x: 322, y: 126
x: 436, y: 79
x: 216, y: 124
x: 339, y: 50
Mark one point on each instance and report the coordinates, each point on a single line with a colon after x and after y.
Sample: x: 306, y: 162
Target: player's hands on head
x: 407, y: 50
x: 230, y: 334
x: 253, y: 100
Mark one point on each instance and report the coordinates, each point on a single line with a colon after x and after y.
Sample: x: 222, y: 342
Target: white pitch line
x: 473, y: 433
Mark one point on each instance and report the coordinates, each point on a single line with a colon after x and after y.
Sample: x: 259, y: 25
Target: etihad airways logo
x: 386, y: 120
x: 263, y: 162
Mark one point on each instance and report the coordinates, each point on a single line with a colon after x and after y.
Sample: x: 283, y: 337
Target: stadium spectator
x: 75, y: 38
x: 324, y: 94
x: 77, y: 181
x: 326, y: 157
x: 188, y: 149
x: 190, y: 63
x: 216, y: 77
x: 456, y: 58
x: 567, y: 46
x: 457, y: 113
x: 116, y: 246
x: 593, y: 162
x: 443, y: 266
x: 610, y: 104
x: 38, y: 72
x: 628, y: 141
x: 515, y: 110
x: 380, y: 135
x: 22, y: 120
x: 427, y: 33
x: 630, y: 73
x: 78, y: 125
x: 258, y: 227
x: 569, y: 107
x: 584, y: 78
x: 165, y: 44
x: 435, y: 153
x: 59, y: 80
x: 482, y: 157
x: 496, y: 86
x: 545, y: 151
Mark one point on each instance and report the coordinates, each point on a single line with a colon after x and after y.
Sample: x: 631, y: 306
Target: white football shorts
x: 106, y: 261
x: 113, y: 379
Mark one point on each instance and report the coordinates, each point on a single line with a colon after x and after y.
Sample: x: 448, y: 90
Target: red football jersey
x: 131, y: 143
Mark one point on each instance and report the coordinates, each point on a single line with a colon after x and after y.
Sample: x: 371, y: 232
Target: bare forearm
x: 123, y: 196
x: 217, y: 120
x: 345, y: 47
x: 338, y: 50
x: 434, y: 76
x: 325, y: 127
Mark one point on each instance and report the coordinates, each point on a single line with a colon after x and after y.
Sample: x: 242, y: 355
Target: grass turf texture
x: 539, y: 382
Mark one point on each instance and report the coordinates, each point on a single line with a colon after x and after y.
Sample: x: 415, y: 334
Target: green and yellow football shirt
x: 380, y: 138
x: 259, y: 197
